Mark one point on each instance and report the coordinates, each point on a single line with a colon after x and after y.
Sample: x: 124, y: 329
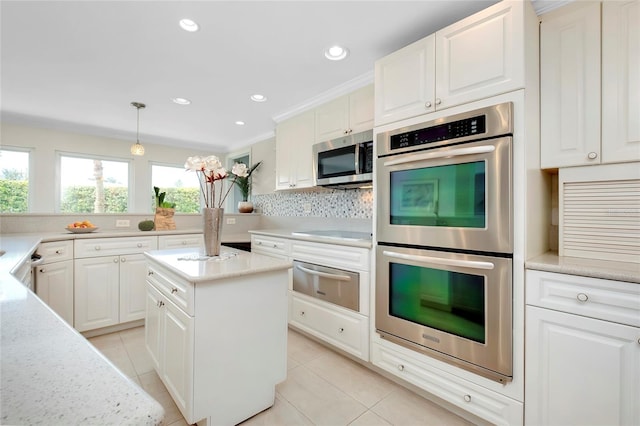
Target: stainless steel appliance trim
x: 354, y: 180
x: 338, y: 277
x: 496, y: 353
x: 484, y: 149
x: 499, y: 121
x: 440, y: 261
x: 331, y: 285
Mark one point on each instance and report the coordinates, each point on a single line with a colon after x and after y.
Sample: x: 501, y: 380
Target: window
x: 93, y: 185
x: 14, y: 181
x: 181, y: 186
x: 236, y: 196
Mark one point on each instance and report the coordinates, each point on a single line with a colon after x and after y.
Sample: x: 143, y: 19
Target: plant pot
x: 245, y: 206
x: 212, y: 229
x: 164, y: 219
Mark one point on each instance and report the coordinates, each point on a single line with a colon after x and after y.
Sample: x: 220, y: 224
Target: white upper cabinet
x: 475, y: 58
x: 590, y: 74
x: 345, y: 115
x: 620, y: 81
x: 294, y: 139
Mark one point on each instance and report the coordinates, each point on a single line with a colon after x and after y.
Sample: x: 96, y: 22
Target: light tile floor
x: 322, y: 388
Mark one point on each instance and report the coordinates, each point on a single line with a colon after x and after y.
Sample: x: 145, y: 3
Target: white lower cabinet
x: 54, y: 285
x: 582, y: 351
x: 484, y: 403
x: 180, y: 241
x: 133, y: 269
x: 97, y: 292
x: 340, y: 327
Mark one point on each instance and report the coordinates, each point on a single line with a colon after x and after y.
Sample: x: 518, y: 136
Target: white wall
x: 45, y: 144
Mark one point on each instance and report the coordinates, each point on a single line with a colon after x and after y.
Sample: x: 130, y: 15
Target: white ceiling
x: 77, y: 65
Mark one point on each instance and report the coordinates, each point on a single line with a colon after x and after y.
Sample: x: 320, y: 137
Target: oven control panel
x: 442, y: 132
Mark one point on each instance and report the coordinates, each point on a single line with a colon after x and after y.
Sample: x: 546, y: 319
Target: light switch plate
x: 231, y: 221
x: 122, y: 223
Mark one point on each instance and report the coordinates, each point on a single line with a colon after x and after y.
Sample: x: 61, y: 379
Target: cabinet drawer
x: 590, y: 297
x: 269, y: 245
x: 94, y: 247
x: 337, y: 256
x: 56, y: 251
x: 180, y: 241
x: 345, y: 330
x: 491, y: 406
x: 173, y: 287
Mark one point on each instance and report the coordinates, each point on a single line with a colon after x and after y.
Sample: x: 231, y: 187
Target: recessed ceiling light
x: 189, y: 25
x: 336, y: 53
x: 258, y: 98
x: 181, y: 101
x: 240, y: 123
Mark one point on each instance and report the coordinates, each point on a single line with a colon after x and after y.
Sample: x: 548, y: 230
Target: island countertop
x: 194, y: 266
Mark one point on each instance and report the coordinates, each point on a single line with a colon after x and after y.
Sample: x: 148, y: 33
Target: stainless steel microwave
x: 344, y: 162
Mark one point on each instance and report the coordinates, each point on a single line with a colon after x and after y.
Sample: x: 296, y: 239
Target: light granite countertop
x: 295, y: 235
x: 194, y: 266
x: 66, y: 235
x: 49, y: 373
x: 619, y: 271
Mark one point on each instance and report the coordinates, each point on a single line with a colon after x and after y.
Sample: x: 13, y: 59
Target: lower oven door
x: 455, y: 307
x: 329, y: 284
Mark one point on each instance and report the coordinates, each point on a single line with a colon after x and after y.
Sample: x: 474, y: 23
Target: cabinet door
x: 580, y: 371
x: 480, y: 56
x: 361, y: 109
x: 332, y: 119
x: 96, y: 292
x: 54, y: 285
x: 133, y: 273
x: 177, y: 344
x: 620, y: 81
x: 285, y: 139
x: 405, y: 82
x: 153, y: 326
x: 570, y: 86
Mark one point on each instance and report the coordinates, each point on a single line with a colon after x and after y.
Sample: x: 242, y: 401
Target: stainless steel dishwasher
x: 329, y: 284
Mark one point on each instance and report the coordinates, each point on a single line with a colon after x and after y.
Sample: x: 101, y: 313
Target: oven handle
x: 440, y: 261
x: 338, y: 277
x: 484, y: 149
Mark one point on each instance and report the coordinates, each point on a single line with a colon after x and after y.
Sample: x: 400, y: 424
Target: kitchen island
x: 216, y: 330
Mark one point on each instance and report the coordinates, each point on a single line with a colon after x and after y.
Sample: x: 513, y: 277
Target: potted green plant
x: 163, y: 219
x: 244, y: 185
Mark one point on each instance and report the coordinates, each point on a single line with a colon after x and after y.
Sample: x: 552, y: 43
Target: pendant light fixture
x: 136, y: 148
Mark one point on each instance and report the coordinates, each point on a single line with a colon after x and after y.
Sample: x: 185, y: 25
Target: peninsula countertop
x: 194, y: 266
x: 49, y: 373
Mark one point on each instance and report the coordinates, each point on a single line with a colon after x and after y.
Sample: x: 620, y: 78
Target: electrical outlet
x: 306, y: 207
x: 231, y: 221
x: 122, y: 223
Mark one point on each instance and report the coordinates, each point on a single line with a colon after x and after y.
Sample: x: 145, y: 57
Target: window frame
x: 177, y: 166
x: 58, y: 177
x: 30, y: 175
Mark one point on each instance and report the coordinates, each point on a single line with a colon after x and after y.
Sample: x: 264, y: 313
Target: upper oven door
x: 457, y: 197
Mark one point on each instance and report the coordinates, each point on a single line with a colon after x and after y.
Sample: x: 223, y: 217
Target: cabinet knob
x: 259, y: 243
x: 467, y: 398
x: 174, y: 290
x: 184, y: 243
x: 301, y: 313
x: 42, y: 270
x: 400, y: 367
x: 58, y: 251
x: 427, y: 104
x: 123, y: 259
x: 592, y: 155
x: 115, y: 260
x: 582, y: 297
x: 97, y: 248
x: 150, y: 273
x: 438, y: 101
x: 341, y: 330
x: 346, y: 132
x: 139, y: 245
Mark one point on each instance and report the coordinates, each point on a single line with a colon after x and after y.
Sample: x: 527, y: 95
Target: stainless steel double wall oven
x: 445, y: 239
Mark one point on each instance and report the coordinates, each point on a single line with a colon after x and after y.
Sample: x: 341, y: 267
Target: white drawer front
x: 345, y: 330
x: 269, y: 245
x: 94, y: 247
x: 173, y: 287
x: 180, y: 241
x: 56, y: 251
x: 590, y: 297
x: 344, y: 257
x: 491, y: 406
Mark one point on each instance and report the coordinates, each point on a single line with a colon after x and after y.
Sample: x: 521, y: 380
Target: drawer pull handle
x: 582, y: 297
x: 160, y: 303
x: 400, y: 367
x: 174, y: 290
x: 301, y: 313
x: 467, y: 398
x: 150, y: 273
x: 341, y: 330
x: 58, y: 251
x: 184, y: 243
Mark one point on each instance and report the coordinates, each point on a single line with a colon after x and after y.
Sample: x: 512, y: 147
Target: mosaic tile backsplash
x: 317, y: 202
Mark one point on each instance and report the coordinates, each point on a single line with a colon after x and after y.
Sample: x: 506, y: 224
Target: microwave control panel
x: 442, y: 132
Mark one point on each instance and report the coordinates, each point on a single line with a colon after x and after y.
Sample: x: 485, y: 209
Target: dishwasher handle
x: 337, y: 277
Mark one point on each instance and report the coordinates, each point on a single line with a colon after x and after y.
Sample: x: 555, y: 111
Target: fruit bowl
x: 81, y: 230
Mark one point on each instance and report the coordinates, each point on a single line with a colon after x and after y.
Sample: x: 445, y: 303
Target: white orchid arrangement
x: 209, y: 170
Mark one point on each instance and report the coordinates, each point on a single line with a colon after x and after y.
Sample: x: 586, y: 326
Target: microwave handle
x: 337, y: 277
x: 440, y: 261
x: 484, y: 149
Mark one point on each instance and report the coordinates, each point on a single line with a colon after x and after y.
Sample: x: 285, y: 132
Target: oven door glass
x: 448, y: 301
x: 337, y: 162
x: 449, y: 195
